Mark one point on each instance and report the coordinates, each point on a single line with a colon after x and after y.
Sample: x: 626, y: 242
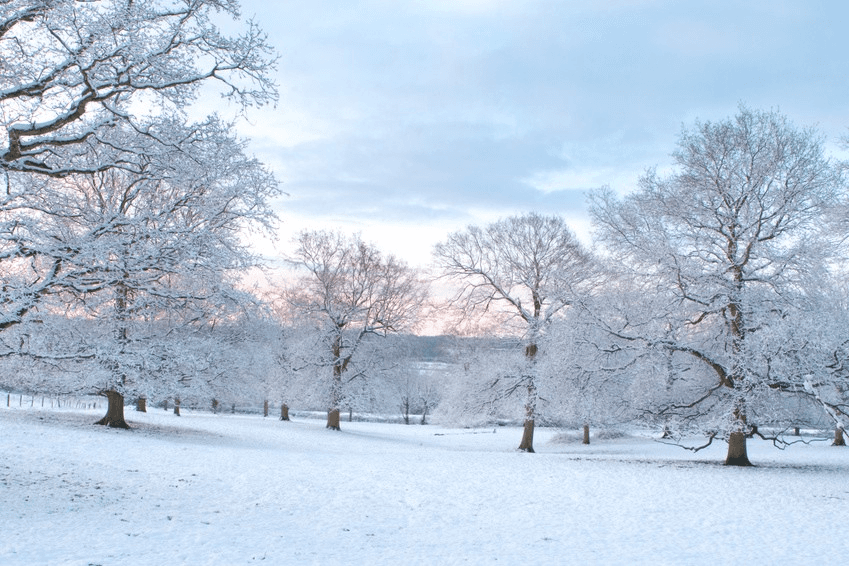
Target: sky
x: 407, y: 120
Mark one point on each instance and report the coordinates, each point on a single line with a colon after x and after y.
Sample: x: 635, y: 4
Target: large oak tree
x: 723, y: 248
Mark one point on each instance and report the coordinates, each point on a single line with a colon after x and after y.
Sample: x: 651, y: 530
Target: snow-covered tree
x: 589, y: 374
x: 155, y: 253
x: 810, y: 353
x: 723, y: 249
x: 92, y: 86
x: 82, y: 82
x: 353, y: 293
x: 526, y: 268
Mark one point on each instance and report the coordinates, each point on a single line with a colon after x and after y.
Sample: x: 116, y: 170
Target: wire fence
x: 24, y: 400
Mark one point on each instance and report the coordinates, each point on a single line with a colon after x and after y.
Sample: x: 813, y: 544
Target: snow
x: 233, y: 489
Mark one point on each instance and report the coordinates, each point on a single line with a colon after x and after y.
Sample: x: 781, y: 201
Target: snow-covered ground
x: 225, y: 489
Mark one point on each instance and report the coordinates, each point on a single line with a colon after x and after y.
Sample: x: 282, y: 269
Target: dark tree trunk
x: 265, y: 408
x: 141, y: 405
x: 350, y: 414
x: 838, y: 437
x: 336, y: 385
x: 284, y: 412
x: 424, y: 414
x: 737, y: 450
x: 737, y: 455
x: 333, y: 419
x: 527, y: 443
x: 586, y: 434
x: 177, y: 407
x: 215, y: 406
x: 796, y: 431
x: 165, y: 404
x: 114, y: 412
x: 405, y: 410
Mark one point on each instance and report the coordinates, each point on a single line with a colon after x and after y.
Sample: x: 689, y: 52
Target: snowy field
x: 207, y: 489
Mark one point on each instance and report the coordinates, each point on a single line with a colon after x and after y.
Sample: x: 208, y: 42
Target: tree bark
x: 737, y: 455
x: 336, y: 388
x: 265, y: 408
x: 333, y: 419
x: 141, y: 405
x: 215, y: 406
x: 527, y: 443
x: 177, y: 407
x: 114, y: 412
x: 586, y: 434
x: 405, y: 410
x: 838, y: 437
x: 284, y: 412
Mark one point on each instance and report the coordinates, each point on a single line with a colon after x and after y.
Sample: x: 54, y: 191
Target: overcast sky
x: 405, y: 120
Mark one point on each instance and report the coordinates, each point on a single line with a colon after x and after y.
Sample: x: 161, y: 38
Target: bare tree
x: 353, y: 292
x: 528, y: 268
x: 722, y: 249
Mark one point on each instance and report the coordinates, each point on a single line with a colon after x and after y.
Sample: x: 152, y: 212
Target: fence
x: 22, y: 400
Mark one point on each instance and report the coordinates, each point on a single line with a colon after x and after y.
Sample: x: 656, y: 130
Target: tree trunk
x: 350, y: 414
x: 527, y: 443
x: 165, y: 404
x: 528, y: 436
x: 586, y: 434
x: 737, y: 455
x: 838, y: 437
x: 284, y: 412
x: 424, y: 414
x: 737, y: 450
x: 141, y: 405
x: 177, y: 407
x: 405, y: 410
x: 796, y: 431
x: 333, y: 419
x: 114, y: 412
x: 336, y: 385
x: 265, y: 408
x: 215, y: 406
